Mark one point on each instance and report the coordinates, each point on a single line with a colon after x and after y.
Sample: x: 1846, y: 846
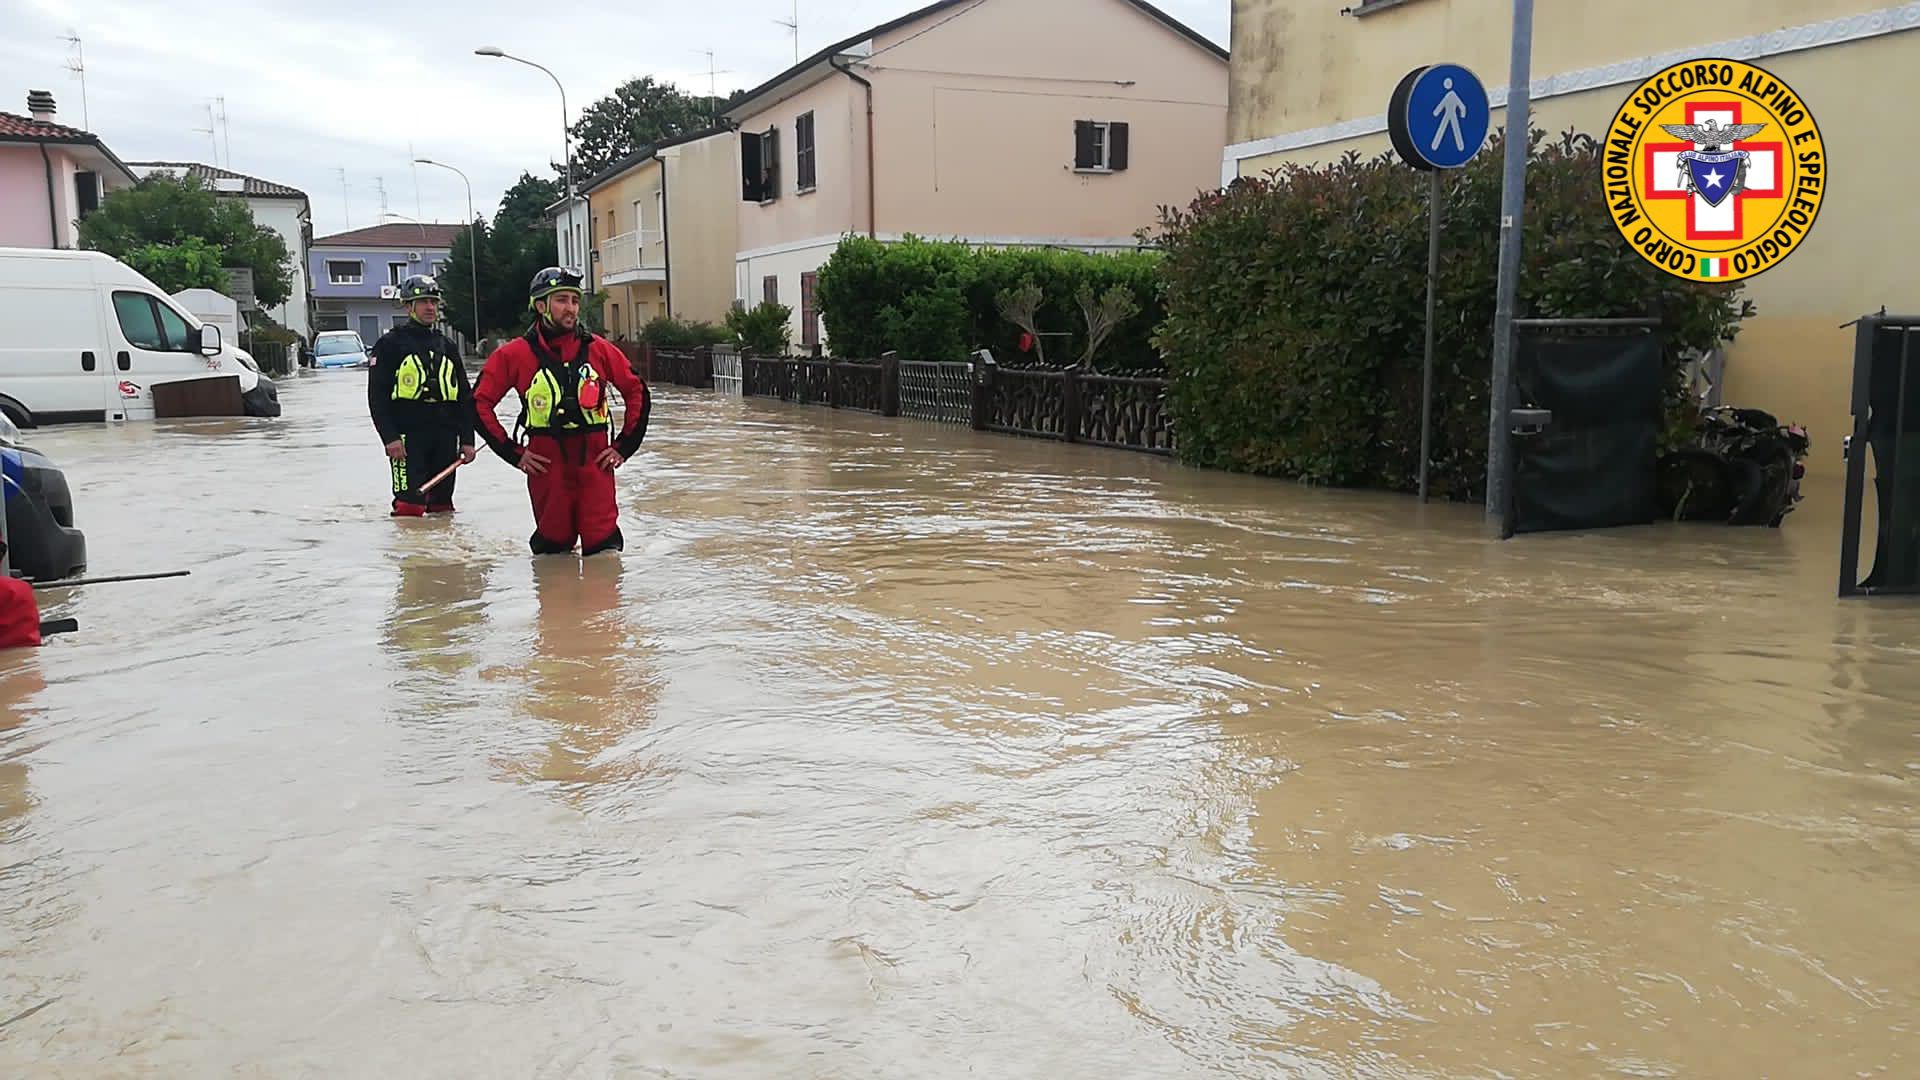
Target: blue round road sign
x: 1439, y: 116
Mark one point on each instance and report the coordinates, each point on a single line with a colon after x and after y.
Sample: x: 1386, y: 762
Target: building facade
x: 285, y: 210
x: 665, y: 222
x: 1311, y: 81
x: 51, y: 176
x: 356, y: 275
x: 1062, y: 123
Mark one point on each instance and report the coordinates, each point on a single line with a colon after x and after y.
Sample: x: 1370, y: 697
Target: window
x: 439, y: 267
x: 760, y: 166
x: 803, y: 174
x: 150, y: 324
x: 396, y: 273
x: 610, y: 232
x: 1099, y: 146
x: 770, y: 289
x: 809, y: 325
x: 343, y: 271
x: 86, y: 192
x: 137, y: 320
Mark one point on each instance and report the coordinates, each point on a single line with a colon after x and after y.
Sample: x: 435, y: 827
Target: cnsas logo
x: 1714, y: 170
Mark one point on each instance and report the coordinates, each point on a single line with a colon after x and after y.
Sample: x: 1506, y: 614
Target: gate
x: 1584, y: 438
x: 1886, y: 421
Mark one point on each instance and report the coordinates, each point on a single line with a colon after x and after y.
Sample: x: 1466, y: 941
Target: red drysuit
x: 19, y: 614
x: 560, y: 396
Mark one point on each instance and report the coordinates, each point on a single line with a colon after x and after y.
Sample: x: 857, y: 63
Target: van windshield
x: 335, y: 346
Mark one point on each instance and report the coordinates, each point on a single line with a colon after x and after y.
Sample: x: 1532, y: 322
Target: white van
x: 84, y: 336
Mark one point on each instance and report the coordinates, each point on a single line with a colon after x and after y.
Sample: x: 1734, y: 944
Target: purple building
x: 356, y: 275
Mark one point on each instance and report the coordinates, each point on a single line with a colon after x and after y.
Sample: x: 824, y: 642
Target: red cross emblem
x: 1663, y: 178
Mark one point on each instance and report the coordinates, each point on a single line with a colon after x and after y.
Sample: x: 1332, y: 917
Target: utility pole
x: 417, y: 212
x: 78, y: 65
x: 225, y: 135
x: 1513, y: 195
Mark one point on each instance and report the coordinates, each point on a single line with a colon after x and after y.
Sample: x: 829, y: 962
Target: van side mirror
x: 209, y: 340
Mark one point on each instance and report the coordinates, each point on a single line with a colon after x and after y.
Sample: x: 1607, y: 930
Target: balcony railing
x: 633, y: 252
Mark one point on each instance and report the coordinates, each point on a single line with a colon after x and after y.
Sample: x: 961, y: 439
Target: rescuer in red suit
x: 562, y: 373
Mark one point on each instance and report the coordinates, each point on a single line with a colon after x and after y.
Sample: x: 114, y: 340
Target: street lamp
x: 473, y: 242
x: 566, y: 136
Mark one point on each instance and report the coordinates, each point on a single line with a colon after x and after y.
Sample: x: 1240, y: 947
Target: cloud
x: 312, y: 91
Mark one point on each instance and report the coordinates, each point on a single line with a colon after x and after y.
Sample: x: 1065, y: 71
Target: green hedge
x: 667, y: 332
x: 935, y: 300
x: 1296, y: 307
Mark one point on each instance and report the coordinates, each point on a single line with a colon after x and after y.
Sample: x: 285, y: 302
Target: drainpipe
x: 53, y: 219
x: 869, y: 88
x: 666, y: 230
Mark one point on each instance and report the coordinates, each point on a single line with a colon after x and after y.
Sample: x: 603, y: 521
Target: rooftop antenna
x: 209, y: 132
x: 380, y: 184
x: 346, y: 206
x: 78, y: 65
x: 225, y: 136
x: 795, y: 27
x: 713, y: 87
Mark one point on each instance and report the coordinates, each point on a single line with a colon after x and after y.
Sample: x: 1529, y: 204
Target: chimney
x: 40, y: 104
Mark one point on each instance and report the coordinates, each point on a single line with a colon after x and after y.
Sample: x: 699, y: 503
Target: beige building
x: 1063, y: 123
x: 1311, y: 80
x: 661, y: 223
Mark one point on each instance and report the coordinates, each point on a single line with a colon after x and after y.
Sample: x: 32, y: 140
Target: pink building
x: 51, y: 176
x: 1063, y: 123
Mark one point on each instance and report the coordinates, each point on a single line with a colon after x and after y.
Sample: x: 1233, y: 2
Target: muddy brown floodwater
x: 890, y: 749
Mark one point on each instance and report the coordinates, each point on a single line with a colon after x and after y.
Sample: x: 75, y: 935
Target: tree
x: 640, y: 112
x: 174, y: 225
x: 526, y: 202
x: 518, y: 245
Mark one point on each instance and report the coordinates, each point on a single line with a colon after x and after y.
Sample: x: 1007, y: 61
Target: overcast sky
x: 317, y: 87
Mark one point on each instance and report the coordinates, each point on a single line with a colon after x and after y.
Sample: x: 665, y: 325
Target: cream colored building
x: 1063, y: 123
x: 662, y: 227
x: 1311, y: 81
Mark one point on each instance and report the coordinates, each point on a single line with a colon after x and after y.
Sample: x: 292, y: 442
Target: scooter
x: 1743, y: 467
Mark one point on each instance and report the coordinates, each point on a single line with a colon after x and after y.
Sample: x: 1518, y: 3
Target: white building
x: 573, y: 236
x: 285, y: 210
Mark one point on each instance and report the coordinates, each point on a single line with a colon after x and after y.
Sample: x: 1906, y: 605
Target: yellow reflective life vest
x: 412, y: 380
x: 554, y: 405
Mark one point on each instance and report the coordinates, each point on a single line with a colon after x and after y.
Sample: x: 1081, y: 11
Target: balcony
x: 640, y: 255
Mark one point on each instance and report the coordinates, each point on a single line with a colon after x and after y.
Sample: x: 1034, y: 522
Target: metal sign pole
x: 1437, y: 119
x: 1426, y: 383
x: 1513, y: 194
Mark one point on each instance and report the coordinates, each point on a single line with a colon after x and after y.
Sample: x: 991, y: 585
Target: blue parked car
x: 42, y: 543
x: 340, y: 349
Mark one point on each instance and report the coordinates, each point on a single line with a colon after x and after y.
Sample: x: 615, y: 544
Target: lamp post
x: 473, y: 242
x: 566, y: 136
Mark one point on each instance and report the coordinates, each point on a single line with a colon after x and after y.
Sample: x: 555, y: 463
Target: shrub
x: 667, y: 332
x: 919, y: 297
x: 1296, y: 306
x: 762, y: 331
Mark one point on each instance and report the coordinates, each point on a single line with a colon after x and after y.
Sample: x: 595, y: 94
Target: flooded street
x: 890, y: 749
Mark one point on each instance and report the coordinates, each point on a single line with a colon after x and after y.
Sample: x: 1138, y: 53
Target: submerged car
x: 340, y: 349
x: 42, y: 544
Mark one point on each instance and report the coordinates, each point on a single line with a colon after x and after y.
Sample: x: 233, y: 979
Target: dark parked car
x: 42, y: 544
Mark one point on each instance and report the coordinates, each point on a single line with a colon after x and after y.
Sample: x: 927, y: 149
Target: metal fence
x: 941, y: 392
